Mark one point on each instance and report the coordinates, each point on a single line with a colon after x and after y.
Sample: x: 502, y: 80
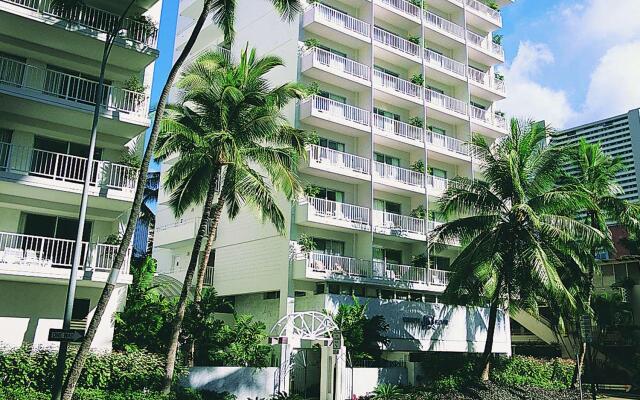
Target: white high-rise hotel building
x: 378, y: 120
x: 49, y: 64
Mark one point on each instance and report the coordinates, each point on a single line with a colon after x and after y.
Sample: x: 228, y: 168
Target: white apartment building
x: 49, y: 64
x: 386, y: 104
x: 619, y: 136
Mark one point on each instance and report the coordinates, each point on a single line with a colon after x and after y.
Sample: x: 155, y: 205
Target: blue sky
x: 571, y: 61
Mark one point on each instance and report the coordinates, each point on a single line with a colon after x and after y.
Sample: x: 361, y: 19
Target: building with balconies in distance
x: 49, y: 63
x: 402, y: 88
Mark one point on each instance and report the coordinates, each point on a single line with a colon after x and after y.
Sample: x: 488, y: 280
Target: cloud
x: 527, y: 98
x: 606, y: 21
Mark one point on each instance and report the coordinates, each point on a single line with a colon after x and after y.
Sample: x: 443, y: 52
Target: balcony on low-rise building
x: 328, y: 214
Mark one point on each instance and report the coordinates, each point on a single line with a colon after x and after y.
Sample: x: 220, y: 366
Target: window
x: 331, y: 144
x: 80, y: 313
x: 386, y: 71
x: 440, y: 173
x: 435, y: 51
x: 386, y: 294
x: 435, y: 89
x: 330, y: 194
x: 437, y: 130
x: 387, y: 206
x: 271, y: 295
x: 359, y: 291
x: 54, y: 227
x: 332, y: 96
x: 388, y: 114
x: 65, y: 168
x: 478, y: 105
x: 391, y: 256
x: 299, y: 293
x: 320, y: 288
x: 327, y: 246
x: 5, y: 141
x: 332, y: 51
x: 386, y: 159
x: 441, y: 263
x: 72, y: 85
x: 334, y: 288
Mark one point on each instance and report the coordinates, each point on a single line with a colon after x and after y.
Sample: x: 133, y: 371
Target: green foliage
x: 414, y: 39
x: 311, y: 42
x: 178, y: 393
x: 418, y: 166
x: 417, y: 79
x: 386, y: 391
x: 312, y: 89
x: 497, y: 39
x: 529, y: 371
x: 363, y: 337
x: 417, y: 3
x: 130, y: 158
x: 113, y: 239
x: 417, y: 122
x: 419, y: 212
x: 499, y: 77
x: 307, y: 243
x: 244, y: 343
x: 492, y: 4
x: 133, y: 84
x: 419, y: 260
x: 311, y: 190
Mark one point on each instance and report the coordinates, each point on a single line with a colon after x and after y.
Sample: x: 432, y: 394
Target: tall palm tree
x: 516, y: 226
x: 229, y: 126
x: 223, y: 12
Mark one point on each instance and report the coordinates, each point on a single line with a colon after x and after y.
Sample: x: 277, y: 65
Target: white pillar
x: 326, y: 373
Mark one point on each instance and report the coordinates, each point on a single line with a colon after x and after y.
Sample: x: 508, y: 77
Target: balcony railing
x: 484, y: 79
x: 451, y: 144
x: 45, y: 252
x: 396, y: 42
x: 447, y: 102
x: 485, y: 44
x: 339, y: 211
x: 437, y: 183
x: 65, y: 167
x: 339, y: 159
x: 401, y: 129
x: 438, y: 60
x: 377, y: 270
x: 340, y: 64
x: 68, y: 87
x: 442, y: 24
x: 488, y: 118
x: 398, y: 224
x: 345, y: 21
x: 400, y: 175
x: 342, y: 111
x: 396, y: 84
x: 94, y: 18
x: 403, y: 7
x: 487, y: 11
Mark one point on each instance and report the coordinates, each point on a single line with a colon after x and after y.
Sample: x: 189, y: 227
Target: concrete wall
x: 243, y: 382
x: 365, y: 380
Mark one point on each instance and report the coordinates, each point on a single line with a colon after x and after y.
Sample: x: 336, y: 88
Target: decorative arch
x: 307, y: 325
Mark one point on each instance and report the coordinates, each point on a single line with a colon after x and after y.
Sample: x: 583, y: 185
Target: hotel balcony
x: 335, y: 116
x: 40, y: 23
x: 446, y: 148
x: 332, y: 215
x: 176, y: 234
x: 34, y: 92
x: 339, y: 71
x: 445, y: 108
x: 336, y: 26
x: 395, y: 49
x: 396, y: 134
x: 446, y: 32
x: 333, y: 164
x: 443, y: 68
x: 42, y: 174
x: 27, y: 257
x: 486, y: 86
x: 325, y: 267
x: 397, y: 180
x: 391, y: 89
x: 483, y: 16
x: 487, y: 123
x: 401, y: 227
x: 397, y: 12
x: 436, y: 186
x: 483, y: 49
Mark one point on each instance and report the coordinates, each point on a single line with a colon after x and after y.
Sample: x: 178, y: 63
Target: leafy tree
x: 202, y: 328
x: 246, y: 343
x: 516, y: 226
x: 363, y: 337
x: 229, y: 126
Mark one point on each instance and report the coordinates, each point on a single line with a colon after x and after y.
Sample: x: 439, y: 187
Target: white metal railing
x: 65, y: 167
x: 483, y: 78
x: 498, y: 84
x: 440, y: 23
x: 402, y: 273
x: 401, y: 175
x: 338, y: 63
x: 448, y: 143
x: 339, y: 211
x: 340, y: 110
x: 95, y: 18
x: 70, y: 87
x: 339, y: 159
x: 396, y: 42
x: 400, y: 223
x: 384, y: 80
x: 431, y: 225
x: 335, y: 264
x: 500, y: 121
x: 208, y: 276
x: 444, y: 101
x: 45, y: 252
x: 485, y: 10
x: 335, y: 17
x: 488, y: 117
x: 485, y: 44
x: 438, y: 277
x: 390, y: 125
x: 437, y: 183
x: 438, y: 60
x: 403, y: 6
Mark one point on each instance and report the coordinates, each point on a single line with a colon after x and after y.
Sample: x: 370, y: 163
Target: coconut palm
x: 223, y: 12
x: 516, y: 227
x: 228, y: 126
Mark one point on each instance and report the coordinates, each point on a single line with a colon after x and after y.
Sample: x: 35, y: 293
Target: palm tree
x: 229, y: 126
x: 516, y: 226
x: 223, y: 12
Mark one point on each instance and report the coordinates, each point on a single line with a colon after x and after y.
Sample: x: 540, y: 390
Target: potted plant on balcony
x: 311, y: 43
x: 312, y: 89
x: 311, y: 190
x: 307, y: 244
x: 417, y: 79
x: 417, y: 122
x: 418, y: 166
x: 500, y: 113
x: 134, y: 85
x: 499, y: 77
x: 417, y: 3
x: 497, y: 39
x: 419, y: 212
x: 492, y: 4
x: 414, y: 39
x: 140, y: 28
x: 113, y: 239
x: 419, y: 260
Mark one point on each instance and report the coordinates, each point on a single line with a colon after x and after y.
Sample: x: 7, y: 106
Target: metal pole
x: 579, y: 374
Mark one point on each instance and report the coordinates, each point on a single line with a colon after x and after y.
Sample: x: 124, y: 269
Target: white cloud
x: 528, y: 99
x: 606, y: 21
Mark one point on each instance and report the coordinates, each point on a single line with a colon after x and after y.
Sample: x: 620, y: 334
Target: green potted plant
x: 419, y: 260
x: 417, y: 79
x: 311, y: 190
x: 500, y: 113
x: 311, y: 43
x: 492, y: 4
x: 417, y: 3
x: 419, y: 212
x: 497, y: 39
x: 417, y: 122
x: 414, y: 39
x: 312, y: 89
x: 144, y: 25
x: 418, y: 166
x: 499, y: 77
x: 307, y: 244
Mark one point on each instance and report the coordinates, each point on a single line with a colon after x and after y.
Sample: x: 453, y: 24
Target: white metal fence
x: 400, y: 223
x: 389, y: 125
x: 340, y: 110
x: 449, y: 64
x: 485, y: 10
x: 339, y: 159
x: 399, y: 85
x: 339, y: 211
x: 396, y: 42
x: 335, y: 17
x: 444, y: 101
x: 401, y: 175
x: 448, y: 143
x: 440, y: 23
x: 403, y: 6
x: 485, y: 44
x: 340, y: 64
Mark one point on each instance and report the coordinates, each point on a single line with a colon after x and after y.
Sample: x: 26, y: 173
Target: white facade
x: 364, y: 63
x: 49, y: 64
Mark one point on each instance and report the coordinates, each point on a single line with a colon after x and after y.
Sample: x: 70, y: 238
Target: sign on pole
x: 586, y: 329
x: 66, y: 335
x: 337, y: 341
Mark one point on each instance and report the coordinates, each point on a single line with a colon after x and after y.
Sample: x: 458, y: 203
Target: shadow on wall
x: 243, y: 382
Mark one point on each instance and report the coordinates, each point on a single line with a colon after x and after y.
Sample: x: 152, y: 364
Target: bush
x: 529, y: 371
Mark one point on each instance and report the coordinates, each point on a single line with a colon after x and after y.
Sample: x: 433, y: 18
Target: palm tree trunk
x: 85, y: 346
x: 176, y: 325
x: 488, y: 346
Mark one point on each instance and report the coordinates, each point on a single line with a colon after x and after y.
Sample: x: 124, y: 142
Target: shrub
x: 529, y: 371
